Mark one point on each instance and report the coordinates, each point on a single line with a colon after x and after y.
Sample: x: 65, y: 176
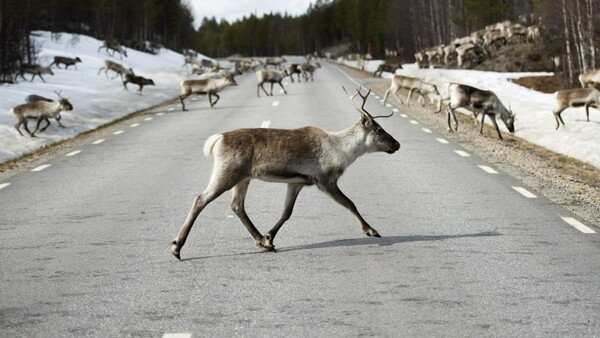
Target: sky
x: 232, y: 10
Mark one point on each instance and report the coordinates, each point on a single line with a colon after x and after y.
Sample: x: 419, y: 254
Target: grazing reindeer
x: 580, y: 97
x: 34, y: 70
x: 478, y: 101
x: 65, y: 61
x: 387, y: 67
x: 590, y: 79
x: 113, y: 46
x: 298, y: 157
x: 269, y: 75
x: 413, y: 84
x: 115, y: 67
x: 35, y: 98
x: 138, y: 80
x: 209, y: 86
x: 39, y: 111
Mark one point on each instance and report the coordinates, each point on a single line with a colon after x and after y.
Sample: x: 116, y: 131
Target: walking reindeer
x: 299, y: 157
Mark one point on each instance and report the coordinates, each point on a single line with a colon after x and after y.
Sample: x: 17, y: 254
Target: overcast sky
x: 232, y: 10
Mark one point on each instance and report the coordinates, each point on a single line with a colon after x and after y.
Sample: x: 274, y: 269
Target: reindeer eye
x: 379, y: 131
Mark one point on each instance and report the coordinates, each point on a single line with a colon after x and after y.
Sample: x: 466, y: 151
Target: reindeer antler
x: 362, y: 107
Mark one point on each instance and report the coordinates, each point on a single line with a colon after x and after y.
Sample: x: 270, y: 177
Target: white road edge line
x: 171, y: 109
x: 388, y: 105
x: 395, y: 110
x: 4, y: 185
x: 134, y: 125
x: 40, y: 168
x: 404, y: 116
x: 118, y: 132
x: 462, y: 153
x: 149, y: 119
x: 487, y: 169
x: 160, y: 114
x: 265, y: 124
x: 414, y: 122
x: 524, y: 192
x: 442, y: 141
x: 73, y: 153
x: 428, y: 131
x: 98, y: 141
x: 576, y: 224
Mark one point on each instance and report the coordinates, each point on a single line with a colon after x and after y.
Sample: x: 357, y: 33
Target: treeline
x: 131, y: 22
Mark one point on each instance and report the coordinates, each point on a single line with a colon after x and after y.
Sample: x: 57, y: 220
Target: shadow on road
x: 385, y: 241
x: 382, y: 241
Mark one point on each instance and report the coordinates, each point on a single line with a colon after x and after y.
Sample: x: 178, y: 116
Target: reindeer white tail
x: 210, y: 143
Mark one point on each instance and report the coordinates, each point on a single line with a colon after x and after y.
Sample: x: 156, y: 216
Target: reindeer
x: 39, y: 111
x: 35, y: 98
x: 293, y: 68
x: 580, y: 97
x: 477, y: 101
x: 66, y: 61
x: 308, y: 70
x: 387, y: 67
x: 34, y: 70
x: 138, y: 80
x: 269, y: 75
x: 276, y: 62
x: 590, y: 79
x: 298, y: 157
x: 209, y: 86
x: 413, y: 84
x: 115, y: 67
x: 114, y: 46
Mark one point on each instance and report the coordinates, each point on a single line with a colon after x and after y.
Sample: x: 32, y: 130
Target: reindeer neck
x: 351, y: 141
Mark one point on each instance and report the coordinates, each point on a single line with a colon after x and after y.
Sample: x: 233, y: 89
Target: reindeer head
x: 64, y: 102
x: 377, y: 139
x: 509, y: 120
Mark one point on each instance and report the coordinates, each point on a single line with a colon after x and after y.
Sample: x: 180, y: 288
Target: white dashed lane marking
x: 73, y: 153
x: 98, y: 141
x: 148, y: 119
x: 395, y: 110
x: 487, y: 169
x: 265, y: 124
x: 442, y: 141
x: 160, y: 114
x: 428, y: 131
x: 388, y: 105
x: 118, y: 132
x: 462, y: 153
x: 171, y: 109
x: 524, y: 192
x: 275, y: 103
x: 4, y: 185
x: 404, y: 116
x: 578, y: 225
x: 134, y: 125
x: 414, y: 122
x: 40, y: 168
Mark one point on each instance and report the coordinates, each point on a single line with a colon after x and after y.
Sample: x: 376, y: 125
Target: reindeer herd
x: 208, y: 79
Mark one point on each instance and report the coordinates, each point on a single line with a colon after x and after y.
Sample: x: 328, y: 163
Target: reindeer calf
x: 138, y: 80
x: 65, y: 61
x: 34, y: 70
x: 580, y: 97
x: 413, y: 84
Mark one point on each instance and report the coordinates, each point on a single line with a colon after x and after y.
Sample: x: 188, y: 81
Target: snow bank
x: 96, y: 99
x: 535, y: 121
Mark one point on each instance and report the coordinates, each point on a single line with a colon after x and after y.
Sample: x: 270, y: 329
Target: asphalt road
x: 84, y: 243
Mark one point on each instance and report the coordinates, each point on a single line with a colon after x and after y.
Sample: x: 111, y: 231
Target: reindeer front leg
x: 334, y: 191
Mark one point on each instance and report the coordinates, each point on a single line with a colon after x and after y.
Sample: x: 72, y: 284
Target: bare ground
x: 568, y: 182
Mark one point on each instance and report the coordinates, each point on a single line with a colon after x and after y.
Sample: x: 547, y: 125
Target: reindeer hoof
x: 175, y: 249
x: 372, y: 233
x: 266, y: 244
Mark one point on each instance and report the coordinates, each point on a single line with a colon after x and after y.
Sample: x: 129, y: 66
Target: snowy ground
x: 535, y: 122
x: 96, y: 99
